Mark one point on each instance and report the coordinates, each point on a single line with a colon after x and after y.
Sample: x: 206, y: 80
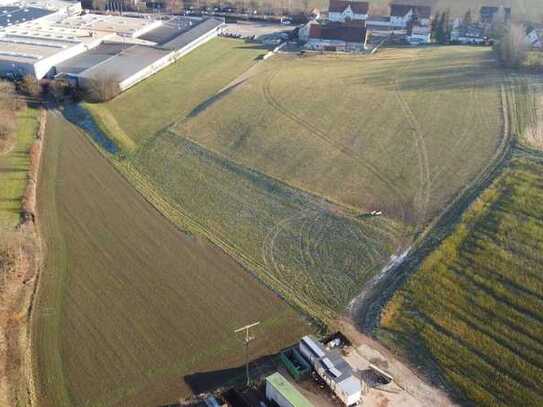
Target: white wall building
x: 333, y: 369
x: 401, y: 15
x: 342, y: 11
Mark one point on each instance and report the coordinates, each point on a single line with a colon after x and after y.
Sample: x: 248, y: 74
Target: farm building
x: 341, y: 11
x: 418, y: 34
x: 279, y: 390
x: 336, y: 37
x: 411, y: 23
x: 333, y: 369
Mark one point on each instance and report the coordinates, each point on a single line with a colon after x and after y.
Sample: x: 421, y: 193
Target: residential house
x: 341, y: 11
x: 331, y: 36
x: 469, y: 34
x: 418, y: 34
x: 487, y: 13
x: 401, y: 15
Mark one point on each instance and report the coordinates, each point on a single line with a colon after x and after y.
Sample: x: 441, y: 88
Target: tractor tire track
x: 272, y: 101
x: 366, y: 309
x: 422, y: 151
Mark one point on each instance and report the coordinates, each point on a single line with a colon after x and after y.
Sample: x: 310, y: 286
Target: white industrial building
x: 333, y: 369
x: 56, y: 38
x: 131, y: 62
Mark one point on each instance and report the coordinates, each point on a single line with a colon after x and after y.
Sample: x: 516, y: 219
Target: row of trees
x: 268, y: 7
x: 511, y: 48
x: 441, y: 28
x: 8, y: 107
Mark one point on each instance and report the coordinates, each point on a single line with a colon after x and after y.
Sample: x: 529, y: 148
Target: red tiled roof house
x: 336, y: 37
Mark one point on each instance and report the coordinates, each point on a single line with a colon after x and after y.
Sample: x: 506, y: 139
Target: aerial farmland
x: 239, y: 213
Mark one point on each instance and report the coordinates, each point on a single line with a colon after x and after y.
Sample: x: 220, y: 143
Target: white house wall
x: 345, y: 15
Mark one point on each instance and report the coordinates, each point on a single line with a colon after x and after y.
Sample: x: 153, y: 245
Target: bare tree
x: 8, y: 107
x: 7, y: 130
x: 8, y: 96
x: 102, y: 88
x: 30, y: 86
x: 512, y: 49
x: 498, y: 26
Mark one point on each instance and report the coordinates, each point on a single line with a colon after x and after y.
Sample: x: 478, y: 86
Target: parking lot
x: 258, y: 31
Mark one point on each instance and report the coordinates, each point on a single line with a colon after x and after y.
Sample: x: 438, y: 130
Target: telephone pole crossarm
x: 248, y: 339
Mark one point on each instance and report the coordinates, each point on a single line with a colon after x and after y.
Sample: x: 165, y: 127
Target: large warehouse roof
x: 196, y: 32
x: 128, y: 62
x: 11, y: 15
x: 124, y: 26
x: 91, y: 58
x: 170, y: 29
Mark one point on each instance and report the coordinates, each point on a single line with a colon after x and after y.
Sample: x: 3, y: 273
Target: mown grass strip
x: 14, y: 168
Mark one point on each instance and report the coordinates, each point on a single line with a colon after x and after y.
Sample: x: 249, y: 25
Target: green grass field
x: 145, y: 109
x: 128, y: 304
x: 474, y: 310
x: 277, y: 162
x: 403, y: 130
x: 255, y: 167
x: 14, y: 169
x: 527, y: 109
x: 314, y: 253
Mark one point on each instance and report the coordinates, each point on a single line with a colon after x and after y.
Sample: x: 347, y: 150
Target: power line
x: 248, y: 339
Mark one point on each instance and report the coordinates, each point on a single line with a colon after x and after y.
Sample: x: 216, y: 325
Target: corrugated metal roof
x: 91, y: 58
x: 287, y: 390
x: 311, y: 344
x: 350, y: 386
x: 126, y: 63
x: 170, y: 29
x: 193, y: 34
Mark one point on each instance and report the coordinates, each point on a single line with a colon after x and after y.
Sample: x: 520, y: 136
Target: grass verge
x: 14, y: 168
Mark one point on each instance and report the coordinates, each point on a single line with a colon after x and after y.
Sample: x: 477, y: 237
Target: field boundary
x: 20, y: 287
x: 188, y: 225
x: 366, y: 309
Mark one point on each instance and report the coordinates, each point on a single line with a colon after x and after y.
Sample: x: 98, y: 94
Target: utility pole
x: 247, y: 340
